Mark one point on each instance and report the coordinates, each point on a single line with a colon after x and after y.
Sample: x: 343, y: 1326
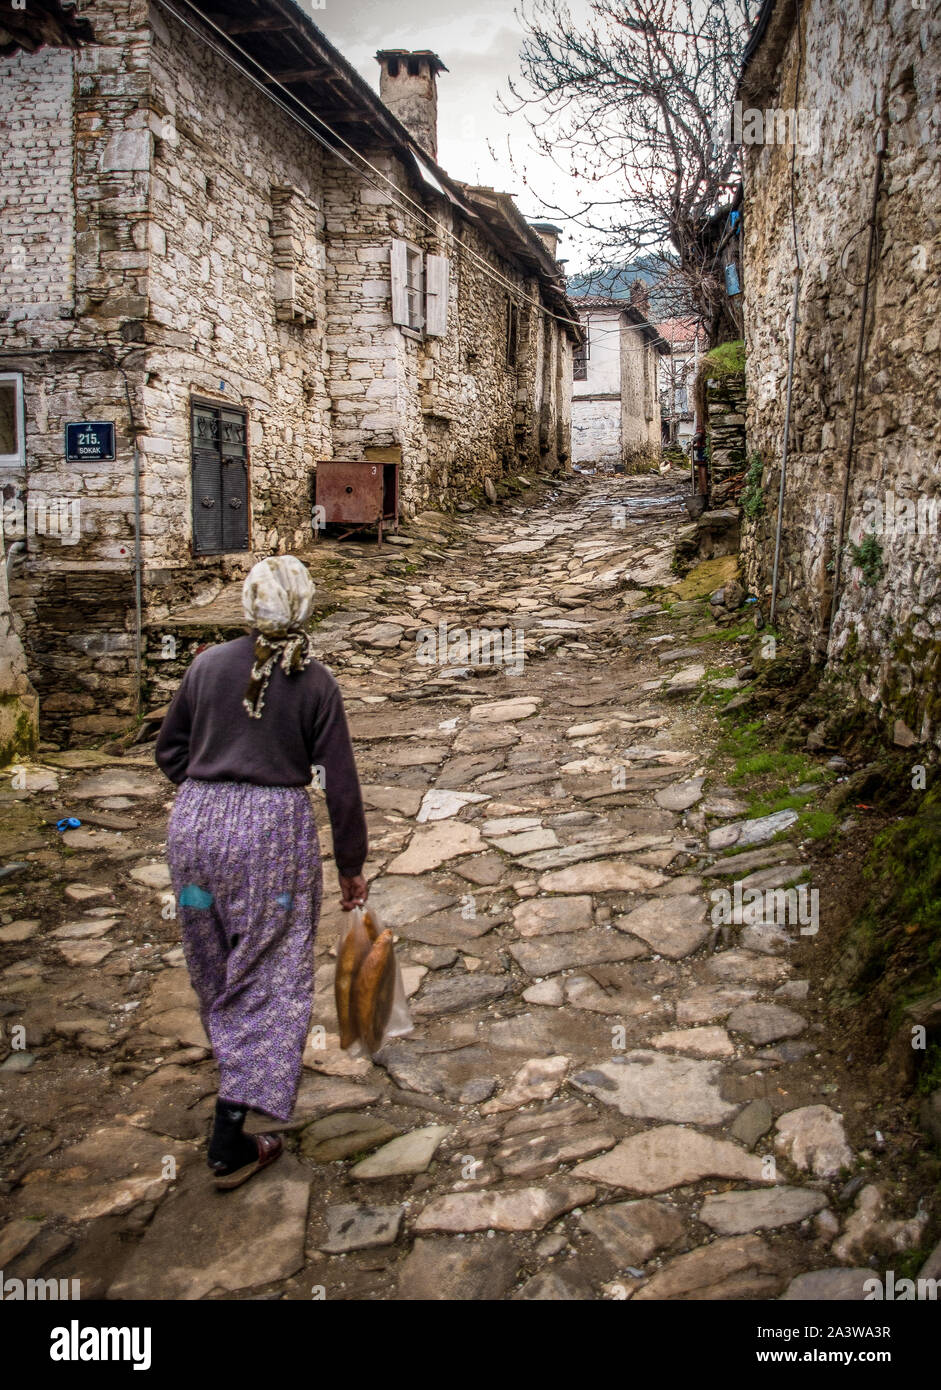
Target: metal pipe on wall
x: 787, y: 430
x: 138, y: 587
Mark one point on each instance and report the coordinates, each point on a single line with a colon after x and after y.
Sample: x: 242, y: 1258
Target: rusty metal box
x: 357, y: 493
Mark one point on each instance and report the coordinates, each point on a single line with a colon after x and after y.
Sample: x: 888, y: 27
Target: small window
x: 580, y: 358
x: 12, y: 430
x: 415, y: 288
x: 408, y: 286
x: 512, y: 333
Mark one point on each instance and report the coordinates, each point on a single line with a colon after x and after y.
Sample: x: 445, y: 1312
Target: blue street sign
x: 89, y: 440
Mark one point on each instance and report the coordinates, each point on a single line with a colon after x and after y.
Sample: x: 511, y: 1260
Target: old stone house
x: 615, y: 386
x: 686, y: 340
x: 845, y: 100
x: 223, y: 260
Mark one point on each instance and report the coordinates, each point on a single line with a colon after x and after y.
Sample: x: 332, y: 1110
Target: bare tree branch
x: 631, y: 105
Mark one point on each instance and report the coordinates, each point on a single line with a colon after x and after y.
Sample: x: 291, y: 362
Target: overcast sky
x: 479, y: 42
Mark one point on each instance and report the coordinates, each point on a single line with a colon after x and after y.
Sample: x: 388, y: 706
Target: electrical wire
x: 633, y: 351
x: 415, y: 209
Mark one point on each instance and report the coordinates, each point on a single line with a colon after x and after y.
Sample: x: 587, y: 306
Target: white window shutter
x: 398, y: 266
x: 437, y: 287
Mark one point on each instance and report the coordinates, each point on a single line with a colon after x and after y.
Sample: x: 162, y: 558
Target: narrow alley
x: 620, y: 1085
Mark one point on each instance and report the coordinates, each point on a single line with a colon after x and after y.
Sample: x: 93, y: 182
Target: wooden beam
x: 296, y: 75
x: 269, y: 24
x: 236, y: 24
x: 45, y: 22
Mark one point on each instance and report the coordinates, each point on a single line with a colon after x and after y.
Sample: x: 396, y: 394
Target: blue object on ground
x: 68, y: 823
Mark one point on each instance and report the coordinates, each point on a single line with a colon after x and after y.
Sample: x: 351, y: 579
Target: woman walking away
x: 249, y: 720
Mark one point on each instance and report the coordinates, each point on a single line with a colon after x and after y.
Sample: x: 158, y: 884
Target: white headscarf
x: 278, y: 595
x: 277, y: 598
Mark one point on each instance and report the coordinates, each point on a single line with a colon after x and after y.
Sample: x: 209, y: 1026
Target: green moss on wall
x: 892, y: 954
x: 23, y: 740
x: 753, y: 498
x: 728, y: 359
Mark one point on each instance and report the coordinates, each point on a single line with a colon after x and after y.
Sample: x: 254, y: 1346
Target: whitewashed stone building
x: 686, y: 340
x: 227, y: 259
x: 860, y: 586
x: 615, y: 386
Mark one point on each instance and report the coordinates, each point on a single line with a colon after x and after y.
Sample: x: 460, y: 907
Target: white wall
x: 616, y: 410
x: 596, y: 423
x: 604, y: 354
x: 596, y: 431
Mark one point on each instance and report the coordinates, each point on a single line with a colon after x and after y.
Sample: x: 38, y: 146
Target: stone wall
x: 640, y: 398
x: 856, y: 62
x: 37, y: 209
x: 451, y: 407
x: 725, y: 423
x: 236, y: 306
x: 19, y: 707
x: 200, y: 245
x: 596, y: 430
x: 70, y: 323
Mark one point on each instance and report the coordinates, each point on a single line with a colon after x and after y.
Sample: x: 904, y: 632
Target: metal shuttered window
x: 220, y: 480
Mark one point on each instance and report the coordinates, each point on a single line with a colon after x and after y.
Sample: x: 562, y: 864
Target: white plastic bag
x: 370, y: 993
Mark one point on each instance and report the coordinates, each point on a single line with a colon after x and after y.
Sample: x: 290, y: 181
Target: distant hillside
x: 616, y: 282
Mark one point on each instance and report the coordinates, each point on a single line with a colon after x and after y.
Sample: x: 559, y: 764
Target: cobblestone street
x: 610, y: 1091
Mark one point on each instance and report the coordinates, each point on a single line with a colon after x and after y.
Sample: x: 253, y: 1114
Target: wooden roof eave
x: 284, y: 43
x: 511, y: 223
x: 42, y: 23
x: 514, y: 239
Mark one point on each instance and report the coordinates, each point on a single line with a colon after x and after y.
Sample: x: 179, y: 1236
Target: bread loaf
x: 373, y: 991
x: 353, y: 952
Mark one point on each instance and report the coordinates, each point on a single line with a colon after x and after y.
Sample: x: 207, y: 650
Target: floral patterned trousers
x: 247, y: 875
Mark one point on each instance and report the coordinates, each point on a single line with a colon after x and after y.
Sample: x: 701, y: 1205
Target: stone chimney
x: 640, y: 297
x: 408, y: 85
x: 548, y: 235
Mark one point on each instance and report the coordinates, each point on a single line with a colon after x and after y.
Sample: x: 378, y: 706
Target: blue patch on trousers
x: 284, y: 899
x: 191, y: 895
